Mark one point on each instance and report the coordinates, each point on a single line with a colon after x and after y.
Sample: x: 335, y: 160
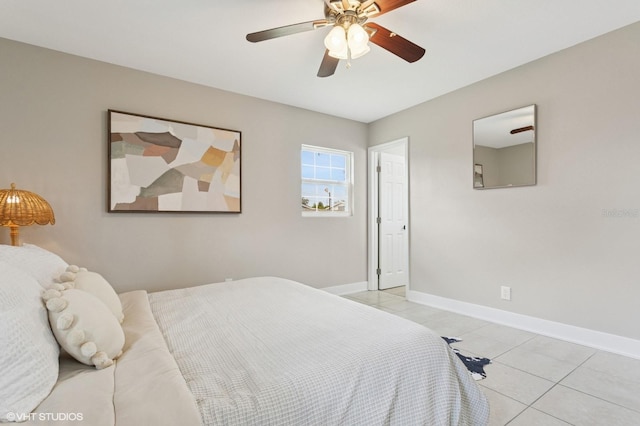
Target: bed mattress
x: 269, y: 351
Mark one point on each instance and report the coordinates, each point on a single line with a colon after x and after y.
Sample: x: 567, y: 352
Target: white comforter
x: 268, y: 351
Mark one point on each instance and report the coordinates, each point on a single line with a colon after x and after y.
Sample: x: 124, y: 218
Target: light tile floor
x: 533, y: 379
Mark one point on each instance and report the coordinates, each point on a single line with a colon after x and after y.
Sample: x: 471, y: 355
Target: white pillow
x: 28, y: 350
x: 84, y: 326
x: 41, y: 264
x: 93, y: 283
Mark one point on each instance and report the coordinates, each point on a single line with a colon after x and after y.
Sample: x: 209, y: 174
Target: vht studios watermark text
x: 45, y: 417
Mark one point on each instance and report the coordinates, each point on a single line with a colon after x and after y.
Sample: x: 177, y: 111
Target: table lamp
x: 23, y: 208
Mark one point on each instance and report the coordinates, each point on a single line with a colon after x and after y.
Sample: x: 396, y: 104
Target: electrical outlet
x: 505, y: 293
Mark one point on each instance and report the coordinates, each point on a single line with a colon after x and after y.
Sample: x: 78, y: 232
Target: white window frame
x: 348, y: 182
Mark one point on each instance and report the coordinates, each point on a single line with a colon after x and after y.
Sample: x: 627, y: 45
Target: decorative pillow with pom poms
x: 94, y: 283
x: 84, y: 326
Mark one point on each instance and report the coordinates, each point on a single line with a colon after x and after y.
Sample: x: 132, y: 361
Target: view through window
x: 326, y: 181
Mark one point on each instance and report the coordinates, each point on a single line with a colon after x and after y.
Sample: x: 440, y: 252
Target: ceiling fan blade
x: 328, y: 65
x: 521, y: 129
x: 395, y: 44
x: 388, y: 5
x: 286, y: 30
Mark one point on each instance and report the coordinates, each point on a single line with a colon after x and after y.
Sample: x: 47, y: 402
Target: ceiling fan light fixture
x: 347, y: 44
x: 357, y: 37
x: 336, y: 41
x: 340, y: 54
x: 350, y: 32
x: 358, y: 41
x: 360, y: 52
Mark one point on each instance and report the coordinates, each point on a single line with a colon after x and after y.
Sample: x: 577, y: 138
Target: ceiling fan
x: 351, y: 32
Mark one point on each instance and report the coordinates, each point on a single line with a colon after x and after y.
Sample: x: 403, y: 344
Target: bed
x: 258, y: 351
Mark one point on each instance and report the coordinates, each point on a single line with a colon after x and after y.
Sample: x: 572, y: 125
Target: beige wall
x: 487, y: 157
x: 511, y: 165
x: 516, y: 165
x: 568, y: 246
x: 53, y: 142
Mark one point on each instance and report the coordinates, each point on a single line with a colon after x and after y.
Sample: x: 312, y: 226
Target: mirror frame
x: 515, y: 122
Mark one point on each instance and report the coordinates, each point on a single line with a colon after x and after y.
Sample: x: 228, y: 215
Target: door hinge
x: 379, y: 169
x: 378, y: 271
x: 378, y: 220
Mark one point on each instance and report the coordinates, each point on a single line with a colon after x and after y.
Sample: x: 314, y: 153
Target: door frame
x: 373, y: 204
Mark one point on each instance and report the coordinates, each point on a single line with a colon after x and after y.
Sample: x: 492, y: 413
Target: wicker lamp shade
x: 23, y: 208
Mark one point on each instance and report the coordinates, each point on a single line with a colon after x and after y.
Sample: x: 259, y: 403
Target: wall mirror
x: 504, y: 149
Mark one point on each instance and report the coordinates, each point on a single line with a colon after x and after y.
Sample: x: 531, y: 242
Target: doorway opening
x: 388, y: 219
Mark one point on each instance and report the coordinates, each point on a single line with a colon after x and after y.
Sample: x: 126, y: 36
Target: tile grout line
x: 588, y: 394
x: 555, y: 384
x: 540, y: 411
x: 379, y: 304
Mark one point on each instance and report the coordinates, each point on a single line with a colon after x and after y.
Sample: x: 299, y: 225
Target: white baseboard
x: 582, y: 336
x: 343, y: 289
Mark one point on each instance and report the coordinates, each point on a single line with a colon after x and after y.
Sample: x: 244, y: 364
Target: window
x: 326, y: 181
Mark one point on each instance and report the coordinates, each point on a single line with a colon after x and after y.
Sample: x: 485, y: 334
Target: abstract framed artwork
x: 160, y: 165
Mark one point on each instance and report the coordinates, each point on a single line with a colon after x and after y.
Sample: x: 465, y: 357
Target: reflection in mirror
x: 504, y: 149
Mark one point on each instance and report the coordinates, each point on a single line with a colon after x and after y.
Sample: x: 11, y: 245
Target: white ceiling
x: 204, y: 42
x: 495, y: 131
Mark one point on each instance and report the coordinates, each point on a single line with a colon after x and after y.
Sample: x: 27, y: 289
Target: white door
x: 393, y: 234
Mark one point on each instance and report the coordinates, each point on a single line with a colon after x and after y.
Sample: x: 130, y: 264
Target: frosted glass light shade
x: 336, y: 42
x: 361, y: 52
x: 345, y: 44
x: 341, y: 54
x: 357, y: 37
